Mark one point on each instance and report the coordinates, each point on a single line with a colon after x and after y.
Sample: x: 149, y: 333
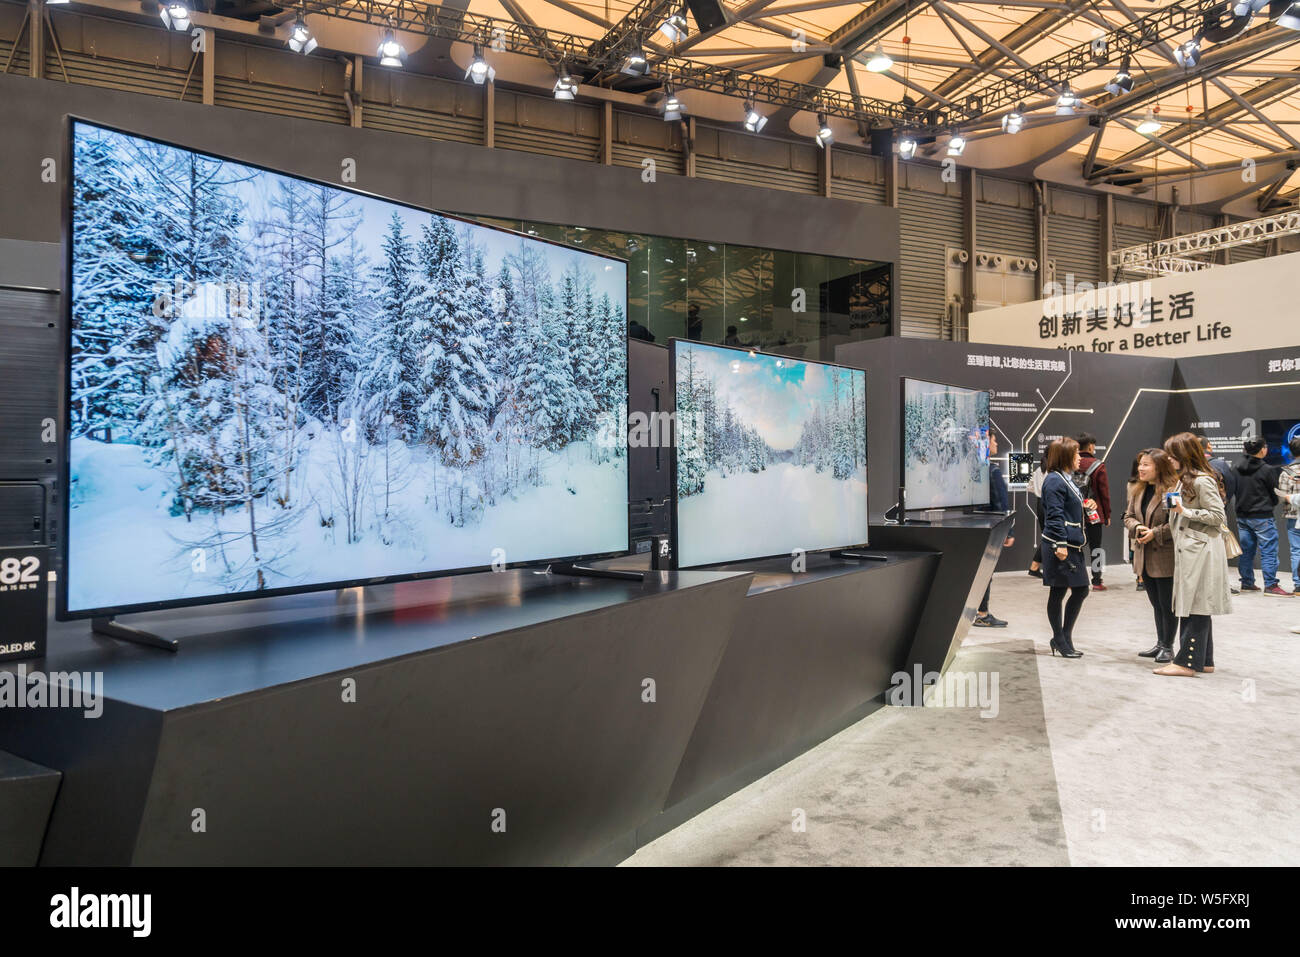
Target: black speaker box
x: 708, y: 14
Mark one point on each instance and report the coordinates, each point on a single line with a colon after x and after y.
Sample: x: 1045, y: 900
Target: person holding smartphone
x: 1147, y: 519
x: 1061, y: 546
x: 1200, y: 588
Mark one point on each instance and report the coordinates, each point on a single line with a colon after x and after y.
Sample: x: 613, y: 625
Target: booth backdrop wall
x: 1030, y: 408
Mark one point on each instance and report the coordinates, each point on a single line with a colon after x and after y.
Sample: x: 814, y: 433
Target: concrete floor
x: 1093, y: 761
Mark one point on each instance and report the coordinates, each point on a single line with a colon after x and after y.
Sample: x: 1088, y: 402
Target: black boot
x: 1165, y: 654
x: 1152, y: 652
x: 1069, y: 643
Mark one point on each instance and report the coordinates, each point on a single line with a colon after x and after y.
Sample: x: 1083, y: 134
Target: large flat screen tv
x: 945, y: 445
x: 277, y: 385
x: 1278, y: 433
x: 770, y: 455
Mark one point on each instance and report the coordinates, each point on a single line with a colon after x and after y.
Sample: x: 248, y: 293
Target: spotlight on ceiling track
x: 754, y: 120
x: 1188, y: 53
x: 391, y: 53
x: 1066, y: 102
x: 674, y: 28
x: 479, y: 70
x: 55, y: 3
x: 566, y: 87
x: 300, y: 38
x: 1014, y: 121
x: 1286, y: 13
x: 956, y: 144
x: 635, y: 63
x: 1149, y: 124
x: 671, y: 107
x: 175, y: 15
x: 906, y: 147
x: 824, y: 134
x: 1121, y: 82
x: 880, y: 61
x: 1242, y: 8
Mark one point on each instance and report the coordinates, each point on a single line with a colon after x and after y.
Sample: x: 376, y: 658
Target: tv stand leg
x: 586, y: 571
x: 111, y: 629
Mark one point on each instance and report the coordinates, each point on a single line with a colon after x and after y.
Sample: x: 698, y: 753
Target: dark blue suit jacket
x: 1062, y: 512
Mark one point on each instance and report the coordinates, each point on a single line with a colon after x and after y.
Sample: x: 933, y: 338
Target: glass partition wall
x: 794, y: 304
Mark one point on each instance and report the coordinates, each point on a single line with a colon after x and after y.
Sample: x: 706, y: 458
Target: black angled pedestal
x: 516, y: 718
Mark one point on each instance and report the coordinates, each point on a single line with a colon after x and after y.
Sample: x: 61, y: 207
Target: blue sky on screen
x: 776, y: 393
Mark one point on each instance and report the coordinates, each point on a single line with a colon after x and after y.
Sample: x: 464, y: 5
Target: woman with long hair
x: 1061, y: 548
x: 1147, y: 521
x: 1132, y: 484
x: 1200, y: 587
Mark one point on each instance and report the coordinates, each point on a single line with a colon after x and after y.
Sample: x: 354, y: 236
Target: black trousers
x: 1093, y: 534
x: 1196, y: 642
x: 984, y: 605
x: 1160, y: 592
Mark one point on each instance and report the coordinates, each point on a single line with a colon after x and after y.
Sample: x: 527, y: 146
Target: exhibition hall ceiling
x: 955, y: 67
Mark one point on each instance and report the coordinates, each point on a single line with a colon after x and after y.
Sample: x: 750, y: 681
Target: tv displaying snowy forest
x: 945, y: 445
x: 277, y: 384
x: 771, y: 455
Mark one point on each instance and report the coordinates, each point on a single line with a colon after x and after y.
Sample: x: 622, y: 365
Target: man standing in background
x: 1224, y: 468
x: 997, y: 503
x: 1288, y: 489
x: 1256, y: 528
x: 1094, y: 486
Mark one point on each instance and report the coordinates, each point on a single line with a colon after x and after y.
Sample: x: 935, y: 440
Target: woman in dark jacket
x: 1147, y: 521
x: 1061, y: 550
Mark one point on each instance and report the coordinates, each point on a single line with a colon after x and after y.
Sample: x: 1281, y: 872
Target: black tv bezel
x: 61, y: 610
x: 671, y: 345
x: 902, y: 441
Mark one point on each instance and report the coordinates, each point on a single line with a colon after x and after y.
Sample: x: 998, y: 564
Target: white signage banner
x: 1250, y: 305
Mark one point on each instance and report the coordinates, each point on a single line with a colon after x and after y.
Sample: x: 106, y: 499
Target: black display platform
x: 26, y: 795
x: 514, y: 699
x: 812, y: 653
x: 969, y: 544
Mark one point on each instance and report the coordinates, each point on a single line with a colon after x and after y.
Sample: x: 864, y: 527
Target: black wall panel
x: 29, y: 390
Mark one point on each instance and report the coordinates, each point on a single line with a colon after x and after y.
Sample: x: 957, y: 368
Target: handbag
x: 1230, y: 543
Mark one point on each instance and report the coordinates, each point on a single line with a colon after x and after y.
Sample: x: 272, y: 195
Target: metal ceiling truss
x: 1126, y: 40
x: 604, y: 57
x: 1171, y: 255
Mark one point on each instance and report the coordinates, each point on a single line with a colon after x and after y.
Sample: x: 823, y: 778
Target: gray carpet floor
x: 1093, y: 761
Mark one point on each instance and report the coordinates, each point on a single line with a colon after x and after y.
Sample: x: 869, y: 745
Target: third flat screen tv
x: 770, y: 455
x: 945, y: 445
x: 277, y: 385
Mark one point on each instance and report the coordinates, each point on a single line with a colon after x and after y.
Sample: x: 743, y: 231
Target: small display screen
x: 1278, y: 433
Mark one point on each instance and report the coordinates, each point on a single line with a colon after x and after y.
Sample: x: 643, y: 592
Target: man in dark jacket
x: 997, y: 503
x: 1095, y: 486
x: 1256, y: 500
x: 1224, y: 468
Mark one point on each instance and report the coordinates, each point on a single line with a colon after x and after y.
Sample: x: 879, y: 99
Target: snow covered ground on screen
x: 771, y: 512
x: 130, y: 550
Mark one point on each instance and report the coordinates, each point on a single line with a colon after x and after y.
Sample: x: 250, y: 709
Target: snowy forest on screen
x: 277, y: 383
x: 945, y: 445
x: 771, y: 455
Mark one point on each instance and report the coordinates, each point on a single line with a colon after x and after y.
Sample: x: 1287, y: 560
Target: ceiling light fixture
x: 824, y: 135
x: 391, y: 53
x: 880, y: 61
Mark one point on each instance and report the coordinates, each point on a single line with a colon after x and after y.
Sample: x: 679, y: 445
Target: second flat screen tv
x: 277, y: 385
x: 945, y: 445
x: 770, y: 456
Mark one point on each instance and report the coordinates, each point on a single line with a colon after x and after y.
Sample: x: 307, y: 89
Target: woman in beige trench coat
x: 1201, y: 587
